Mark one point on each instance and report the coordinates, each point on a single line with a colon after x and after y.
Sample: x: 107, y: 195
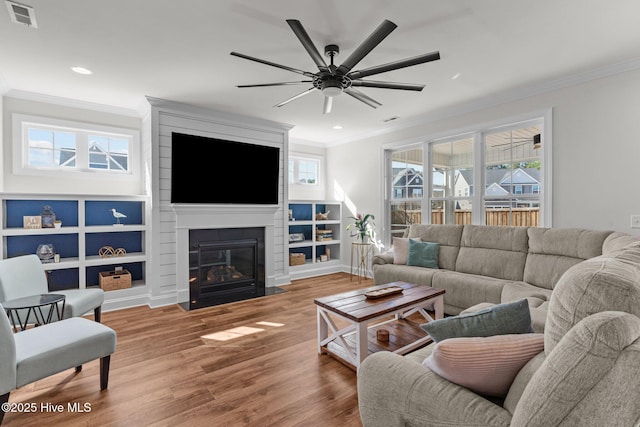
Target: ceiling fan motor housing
x: 331, y: 84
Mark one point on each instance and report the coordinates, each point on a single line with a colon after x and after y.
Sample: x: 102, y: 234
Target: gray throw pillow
x: 501, y: 319
x: 423, y: 254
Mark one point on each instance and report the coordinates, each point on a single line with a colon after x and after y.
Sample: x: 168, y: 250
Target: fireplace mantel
x: 223, y: 216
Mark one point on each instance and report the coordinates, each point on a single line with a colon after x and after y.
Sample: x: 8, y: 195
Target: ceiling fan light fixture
x: 331, y: 89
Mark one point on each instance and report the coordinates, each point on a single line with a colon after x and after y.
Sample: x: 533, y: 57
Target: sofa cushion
x: 498, y: 252
x: 394, y: 391
x: 401, y: 250
x: 464, y: 290
x: 388, y: 273
x: 520, y: 382
x: 501, y: 319
x: 617, y: 241
x: 448, y: 236
x: 514, y: 291
x: 598, y: 284
x: 589, y: 379
x: 485, y: 365
x: 552, y: 251
x: 423, y: 254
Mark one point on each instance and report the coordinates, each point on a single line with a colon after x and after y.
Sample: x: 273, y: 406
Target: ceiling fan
x: 333, y: 80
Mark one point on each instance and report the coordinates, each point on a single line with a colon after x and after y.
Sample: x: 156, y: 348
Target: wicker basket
x: 296, y: 259
x: 113, y: 280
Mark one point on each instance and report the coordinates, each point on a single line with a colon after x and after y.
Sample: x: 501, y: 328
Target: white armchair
x: 23, y: 276
x: 37, y: 353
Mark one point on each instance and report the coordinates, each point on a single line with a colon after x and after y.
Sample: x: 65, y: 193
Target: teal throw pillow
x: 502, y: 319
x: 423, y: 254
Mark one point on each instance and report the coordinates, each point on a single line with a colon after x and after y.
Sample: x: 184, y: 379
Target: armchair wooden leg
x: 104, y: 372
x: 3, y: 399
x: 96, y: 313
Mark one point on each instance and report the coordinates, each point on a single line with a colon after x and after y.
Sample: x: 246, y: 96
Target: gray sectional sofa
x: 480, y: 265
x: 587, y: 286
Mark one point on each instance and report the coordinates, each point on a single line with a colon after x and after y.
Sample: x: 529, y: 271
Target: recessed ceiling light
x: 455, y: 76
x: 338, y: 127
x: 81, y: 70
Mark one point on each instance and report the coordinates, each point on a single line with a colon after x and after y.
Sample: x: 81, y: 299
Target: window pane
x: 51, y: 149
x: 303, y: 171
x: 451, y: 212
x: 408, y: 174
x: 40, y: 157
x: 452, y: 181
x: 108, y: 153
x: 404, y: 214
x: 512, y: 177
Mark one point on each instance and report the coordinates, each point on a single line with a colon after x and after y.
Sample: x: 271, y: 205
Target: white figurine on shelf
x: 118, y: 215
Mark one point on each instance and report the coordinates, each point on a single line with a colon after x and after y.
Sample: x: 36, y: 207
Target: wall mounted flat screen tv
x: 210, y: 170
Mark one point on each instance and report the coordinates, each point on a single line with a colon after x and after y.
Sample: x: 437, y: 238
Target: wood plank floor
x: 164, y: 373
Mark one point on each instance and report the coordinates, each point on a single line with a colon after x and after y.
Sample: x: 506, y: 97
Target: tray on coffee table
x: 383, y: 292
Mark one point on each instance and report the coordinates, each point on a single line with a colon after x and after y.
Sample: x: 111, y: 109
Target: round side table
x: 34, y: 304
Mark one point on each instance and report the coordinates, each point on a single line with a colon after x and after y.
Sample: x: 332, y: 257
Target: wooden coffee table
x: 360, y: 317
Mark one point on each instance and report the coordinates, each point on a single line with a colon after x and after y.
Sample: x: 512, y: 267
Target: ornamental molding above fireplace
x: 223, y: 216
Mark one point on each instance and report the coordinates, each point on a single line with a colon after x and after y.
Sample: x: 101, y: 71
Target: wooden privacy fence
x: 525, y: 217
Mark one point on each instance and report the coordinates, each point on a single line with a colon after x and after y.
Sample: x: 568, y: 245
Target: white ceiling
x: 179, y: 51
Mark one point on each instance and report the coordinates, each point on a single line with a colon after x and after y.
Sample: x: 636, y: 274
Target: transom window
x: 64, y: 146
x: 303, y: 170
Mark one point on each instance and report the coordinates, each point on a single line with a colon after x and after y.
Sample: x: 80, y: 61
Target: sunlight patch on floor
x: 230, y: 334
x: 276, y: 325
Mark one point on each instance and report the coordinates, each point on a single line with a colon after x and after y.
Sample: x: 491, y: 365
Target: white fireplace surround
x: 191, y: 217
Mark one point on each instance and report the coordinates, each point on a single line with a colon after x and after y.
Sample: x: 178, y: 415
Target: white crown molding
x: 73, y: 103
x: 203, y: 113
x: 502, y: 98
x: 299, y: 141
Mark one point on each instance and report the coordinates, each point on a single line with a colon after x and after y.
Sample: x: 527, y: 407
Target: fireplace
x: 225, y: 265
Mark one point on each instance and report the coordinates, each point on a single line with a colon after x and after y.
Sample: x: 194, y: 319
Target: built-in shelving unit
x: 319, y: 239
x: 87, y: 225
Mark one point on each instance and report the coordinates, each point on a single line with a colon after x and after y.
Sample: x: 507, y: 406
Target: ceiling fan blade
x: 387, y: 85
x: 367, y: 46
x: 273, y: 64
x: 362, y: 97
x: 409, y: 62
x: 304, y: 38
x: 328, y: 103
x: 293, y: 98
x: 277, y: 84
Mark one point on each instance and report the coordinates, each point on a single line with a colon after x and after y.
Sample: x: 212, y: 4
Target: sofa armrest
x: 382, y: 259
x: 396, y: 391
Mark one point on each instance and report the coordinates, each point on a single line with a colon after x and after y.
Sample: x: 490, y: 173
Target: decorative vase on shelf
x: 46, y: 253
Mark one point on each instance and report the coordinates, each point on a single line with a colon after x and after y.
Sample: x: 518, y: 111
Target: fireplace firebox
x: 225, y: 265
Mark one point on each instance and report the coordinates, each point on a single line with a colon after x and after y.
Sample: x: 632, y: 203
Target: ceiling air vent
x: 22, y: 14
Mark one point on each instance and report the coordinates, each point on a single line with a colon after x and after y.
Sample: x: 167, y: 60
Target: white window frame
x: 22, y: 122
x: 545, y: 194
x: 296, y: 158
